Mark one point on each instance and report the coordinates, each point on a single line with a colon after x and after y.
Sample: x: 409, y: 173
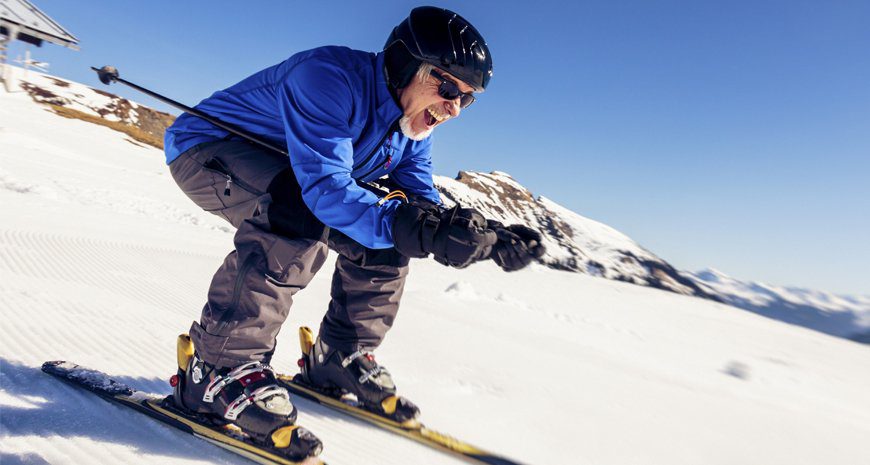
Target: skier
x: 347, y: 118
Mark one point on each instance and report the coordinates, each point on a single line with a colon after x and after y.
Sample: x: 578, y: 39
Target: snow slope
x: 574, y: 242
x: 103, y: 261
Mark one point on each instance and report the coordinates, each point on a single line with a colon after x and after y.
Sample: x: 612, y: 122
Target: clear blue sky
x: 733, y: 135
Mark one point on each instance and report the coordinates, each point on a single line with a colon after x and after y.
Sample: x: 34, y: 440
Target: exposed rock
x: 80, y: 99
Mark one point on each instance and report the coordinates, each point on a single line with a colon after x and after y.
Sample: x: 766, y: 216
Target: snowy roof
x: 32, y: 24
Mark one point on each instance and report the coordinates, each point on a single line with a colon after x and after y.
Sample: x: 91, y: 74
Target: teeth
x: 437, y: 117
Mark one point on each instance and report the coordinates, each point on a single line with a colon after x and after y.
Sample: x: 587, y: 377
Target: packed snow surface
x: 103, y: 261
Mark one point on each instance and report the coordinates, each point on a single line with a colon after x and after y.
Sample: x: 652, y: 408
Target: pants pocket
x: 230, y: 180
x: 200, y: 185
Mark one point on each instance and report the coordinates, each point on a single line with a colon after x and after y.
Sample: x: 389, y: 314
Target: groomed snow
x: 103, y: 262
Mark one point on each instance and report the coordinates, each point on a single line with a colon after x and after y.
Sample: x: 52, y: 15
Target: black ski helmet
x: 441, y: 38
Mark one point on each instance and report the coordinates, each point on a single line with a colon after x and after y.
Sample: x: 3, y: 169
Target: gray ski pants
x: 279, y: 246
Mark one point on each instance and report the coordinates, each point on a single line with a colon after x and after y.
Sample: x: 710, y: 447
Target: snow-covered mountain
x: 844, y: 316
x: 574, y: 242
x: 577, y: 243
x: 103, y: 261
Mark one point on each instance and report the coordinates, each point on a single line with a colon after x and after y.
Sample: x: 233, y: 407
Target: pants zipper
x: 214, y: 165
x: 237, y: 294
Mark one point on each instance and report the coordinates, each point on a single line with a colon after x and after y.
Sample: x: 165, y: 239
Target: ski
x: 413, y: 430
x: 162, y: 408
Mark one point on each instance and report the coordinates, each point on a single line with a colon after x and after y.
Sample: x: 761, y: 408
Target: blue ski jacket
x: 332, y: 109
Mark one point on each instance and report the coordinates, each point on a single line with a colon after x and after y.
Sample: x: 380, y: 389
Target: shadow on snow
x: 59, y: 409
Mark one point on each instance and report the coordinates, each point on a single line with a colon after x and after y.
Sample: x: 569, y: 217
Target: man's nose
x: 452, y: 107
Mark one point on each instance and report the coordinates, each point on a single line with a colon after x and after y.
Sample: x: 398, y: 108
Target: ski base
x: 413, y: 430
x: 162, y: 408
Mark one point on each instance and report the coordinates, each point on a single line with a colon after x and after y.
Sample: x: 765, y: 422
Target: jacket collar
x: 388, y: 103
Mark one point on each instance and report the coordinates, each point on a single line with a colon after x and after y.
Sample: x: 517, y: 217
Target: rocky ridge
x: 574, y: 243
x: 81, y: 101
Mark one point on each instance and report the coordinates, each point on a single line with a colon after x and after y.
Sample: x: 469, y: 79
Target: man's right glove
x: 455, y: 237
x: 517, y: 245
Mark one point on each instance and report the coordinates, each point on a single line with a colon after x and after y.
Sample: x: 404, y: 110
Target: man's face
x: 423, y: 108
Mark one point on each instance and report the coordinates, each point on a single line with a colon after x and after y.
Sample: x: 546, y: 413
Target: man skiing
x: 347, y: 118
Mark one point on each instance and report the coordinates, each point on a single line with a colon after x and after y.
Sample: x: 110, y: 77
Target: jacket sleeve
x: 316, y: 101
x: 414, y: 172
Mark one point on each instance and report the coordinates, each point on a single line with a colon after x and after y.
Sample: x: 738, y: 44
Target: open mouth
x: 432, y: 118
x: 429, y: 118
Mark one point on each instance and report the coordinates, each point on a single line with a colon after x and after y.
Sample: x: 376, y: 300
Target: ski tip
x: 55, y: 365
x: 85, y: 377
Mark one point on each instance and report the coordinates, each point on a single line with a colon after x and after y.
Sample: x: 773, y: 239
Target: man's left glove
x: 517, y: 245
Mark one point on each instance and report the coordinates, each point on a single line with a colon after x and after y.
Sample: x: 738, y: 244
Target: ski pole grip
x: 107, y: 74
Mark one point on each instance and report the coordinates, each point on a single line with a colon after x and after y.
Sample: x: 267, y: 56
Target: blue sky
x: 733, y: 135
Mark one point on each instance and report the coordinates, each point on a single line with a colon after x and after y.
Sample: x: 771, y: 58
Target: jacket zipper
x: 368, y: 158
x: 389, y: 159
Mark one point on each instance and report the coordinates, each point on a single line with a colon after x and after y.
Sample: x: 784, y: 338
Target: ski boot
x: 247, y: 396
x: 338, y: 374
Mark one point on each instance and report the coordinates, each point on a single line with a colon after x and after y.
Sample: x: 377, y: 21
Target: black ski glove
x: 456, y: 237
x: 517, y: 245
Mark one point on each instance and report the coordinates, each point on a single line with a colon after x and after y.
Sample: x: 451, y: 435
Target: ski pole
x: 109, y: 74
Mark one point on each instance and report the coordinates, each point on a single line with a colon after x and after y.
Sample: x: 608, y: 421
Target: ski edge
x: 416, y: 432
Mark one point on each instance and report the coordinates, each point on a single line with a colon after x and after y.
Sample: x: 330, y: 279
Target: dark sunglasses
x: 449, y: 90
